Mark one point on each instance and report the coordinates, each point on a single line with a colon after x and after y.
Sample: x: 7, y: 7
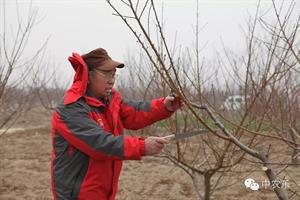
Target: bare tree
x: 267, y: 63
x: 15, y: 67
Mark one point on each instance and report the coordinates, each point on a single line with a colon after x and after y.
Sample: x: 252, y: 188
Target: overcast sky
x: 83, y: 25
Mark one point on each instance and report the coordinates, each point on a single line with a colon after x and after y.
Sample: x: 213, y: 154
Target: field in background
x: 25, y: 170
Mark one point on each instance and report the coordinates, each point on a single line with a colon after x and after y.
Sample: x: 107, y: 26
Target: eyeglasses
x: 108, y: 75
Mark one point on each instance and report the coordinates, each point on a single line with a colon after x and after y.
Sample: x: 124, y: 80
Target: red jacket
x: 88, y: 140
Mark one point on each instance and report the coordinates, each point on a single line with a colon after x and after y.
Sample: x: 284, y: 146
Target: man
x: 87, y: 130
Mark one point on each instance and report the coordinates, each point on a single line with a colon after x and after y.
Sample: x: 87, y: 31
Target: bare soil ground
x: 25, y: 172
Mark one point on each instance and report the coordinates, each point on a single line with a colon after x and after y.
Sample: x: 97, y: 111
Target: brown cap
x: 99, y: 58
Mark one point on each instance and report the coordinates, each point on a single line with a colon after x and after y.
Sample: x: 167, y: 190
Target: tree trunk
x: 207, y: 177
x: 280, y: 191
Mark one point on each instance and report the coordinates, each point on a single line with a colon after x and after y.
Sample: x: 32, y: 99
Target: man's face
x: 101, y: 82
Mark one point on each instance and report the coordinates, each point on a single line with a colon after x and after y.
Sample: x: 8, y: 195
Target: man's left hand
x: 172, y: 103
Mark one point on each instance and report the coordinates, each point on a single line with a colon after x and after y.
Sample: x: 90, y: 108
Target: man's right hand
x: 154, y: 145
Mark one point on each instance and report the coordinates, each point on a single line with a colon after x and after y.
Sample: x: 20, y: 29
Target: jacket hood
x: 79, y: 85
